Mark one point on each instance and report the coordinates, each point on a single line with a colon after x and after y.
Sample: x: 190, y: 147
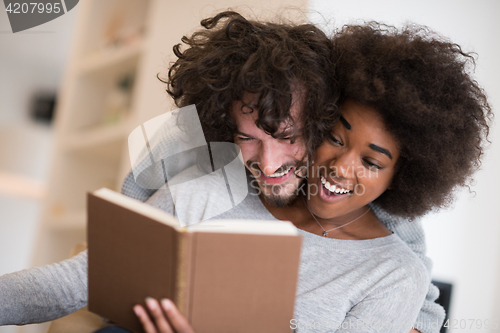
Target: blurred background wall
x: 463, y: 241
x: 31, y: 63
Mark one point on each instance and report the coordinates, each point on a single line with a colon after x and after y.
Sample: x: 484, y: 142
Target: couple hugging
x: 350, y: 137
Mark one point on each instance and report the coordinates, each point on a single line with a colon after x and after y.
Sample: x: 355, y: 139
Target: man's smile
x: 277, y: 177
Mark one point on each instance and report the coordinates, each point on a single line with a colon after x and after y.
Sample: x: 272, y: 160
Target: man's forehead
x: 246, y: 124
x: 289, y: 128
x: 298, y: 90
x: 244, y: 116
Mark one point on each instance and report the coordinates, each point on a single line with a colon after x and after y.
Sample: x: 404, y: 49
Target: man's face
x: 274, y: 162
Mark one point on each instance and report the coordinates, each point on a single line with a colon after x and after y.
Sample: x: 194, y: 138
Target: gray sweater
x: 376, y: 285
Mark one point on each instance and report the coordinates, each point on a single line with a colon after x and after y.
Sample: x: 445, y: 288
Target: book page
x: 245, y: 227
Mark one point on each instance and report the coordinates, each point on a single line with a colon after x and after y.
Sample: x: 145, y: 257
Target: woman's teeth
x: 332, y: 188
x: 279, y: 174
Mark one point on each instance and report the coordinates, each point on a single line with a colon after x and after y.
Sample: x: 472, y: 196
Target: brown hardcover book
x: 233, y: 276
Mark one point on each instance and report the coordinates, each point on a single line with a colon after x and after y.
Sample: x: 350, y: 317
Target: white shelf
x: 97, y: 137
x: 89, y: 153
x: 14, y: 185
x: 71, y: 221
x: 104, y: 59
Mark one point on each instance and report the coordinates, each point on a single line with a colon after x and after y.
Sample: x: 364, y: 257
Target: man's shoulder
x: 199, y: 195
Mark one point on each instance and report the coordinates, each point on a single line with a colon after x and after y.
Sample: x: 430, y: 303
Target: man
x: 259, y: 85
x: 263, y: 71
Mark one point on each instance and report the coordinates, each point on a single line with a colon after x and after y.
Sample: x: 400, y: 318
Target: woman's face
x: 354, y: 165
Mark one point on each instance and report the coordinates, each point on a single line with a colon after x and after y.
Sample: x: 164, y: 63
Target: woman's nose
x: 343, y: 166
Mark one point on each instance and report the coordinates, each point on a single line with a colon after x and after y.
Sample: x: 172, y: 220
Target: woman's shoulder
x: 408, y: 268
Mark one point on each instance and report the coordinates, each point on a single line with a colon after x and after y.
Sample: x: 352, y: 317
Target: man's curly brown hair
x: 233, y: 55
x: 420, y: 83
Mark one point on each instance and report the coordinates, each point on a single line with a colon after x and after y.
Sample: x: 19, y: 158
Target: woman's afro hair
x: 420, y: 83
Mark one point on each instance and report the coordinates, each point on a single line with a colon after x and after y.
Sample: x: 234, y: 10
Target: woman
x: 412, y: 127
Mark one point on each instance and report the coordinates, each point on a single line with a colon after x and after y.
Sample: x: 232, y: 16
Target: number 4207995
x: 454, y: 324
x: 33, y: 7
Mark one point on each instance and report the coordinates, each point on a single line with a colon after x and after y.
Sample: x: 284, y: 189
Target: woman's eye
x: 372, y: 165
x: 335, y: 140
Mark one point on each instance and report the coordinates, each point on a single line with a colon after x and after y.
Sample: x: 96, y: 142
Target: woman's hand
x: 167, y: 318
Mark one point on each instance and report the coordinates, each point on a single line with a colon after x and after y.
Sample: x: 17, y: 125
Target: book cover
x: 224, y: 276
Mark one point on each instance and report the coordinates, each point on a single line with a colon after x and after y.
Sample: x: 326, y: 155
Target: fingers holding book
x: 166, y: 317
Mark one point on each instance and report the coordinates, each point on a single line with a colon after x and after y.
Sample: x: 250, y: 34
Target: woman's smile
x: 330, y: 191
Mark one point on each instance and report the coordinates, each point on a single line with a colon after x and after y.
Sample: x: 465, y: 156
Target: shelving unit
x: 96, y: 112
x: 108, y: 58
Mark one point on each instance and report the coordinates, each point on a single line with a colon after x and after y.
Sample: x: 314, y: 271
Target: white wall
x: 463, y: 242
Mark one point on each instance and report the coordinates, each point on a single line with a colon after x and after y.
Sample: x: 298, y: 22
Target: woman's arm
x: 385, y: 312
x: 390, y: 309
x: 431, y: 315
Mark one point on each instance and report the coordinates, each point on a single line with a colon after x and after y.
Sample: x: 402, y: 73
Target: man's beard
x: 278, y: 200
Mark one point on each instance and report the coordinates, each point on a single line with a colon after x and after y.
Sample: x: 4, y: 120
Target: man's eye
x: 290, y: 138
x: 244, y: 138
x: 334, y: 140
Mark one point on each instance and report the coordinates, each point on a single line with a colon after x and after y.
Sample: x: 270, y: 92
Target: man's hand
x: 167, y: 318
x: 412, y: 331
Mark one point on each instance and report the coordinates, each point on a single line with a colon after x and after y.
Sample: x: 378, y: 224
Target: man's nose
x: 271, y: 157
